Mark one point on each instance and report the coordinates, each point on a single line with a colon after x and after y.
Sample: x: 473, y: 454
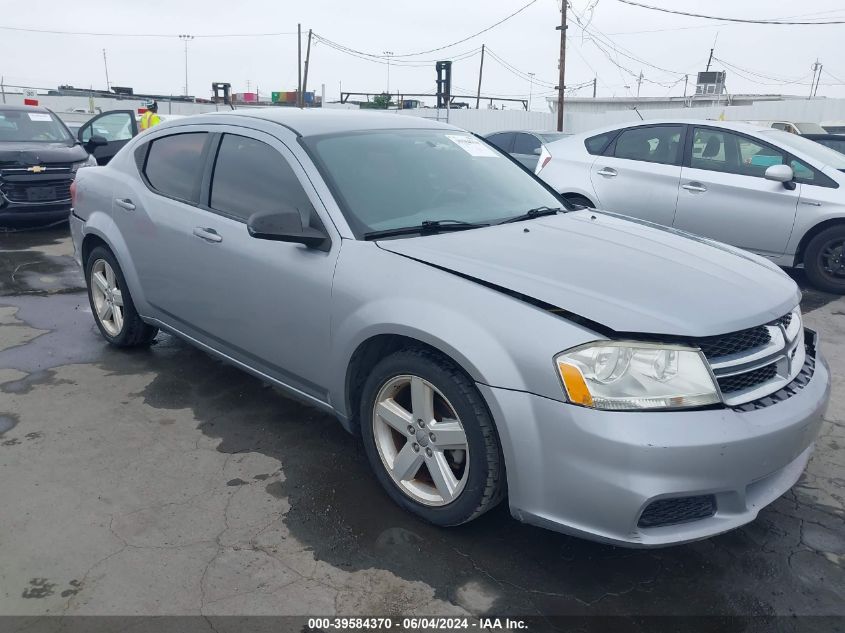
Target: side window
x: 710, y: 150
x: 250, y: 177
x: 112, y: 127
x: 657, y: 144
x: 174, y: 165
x: 756, y: 158
x: 780, y: 126
x: 803, y: 172
x: 503, y: 140
x: 597, y: 144
x: 525, y: 144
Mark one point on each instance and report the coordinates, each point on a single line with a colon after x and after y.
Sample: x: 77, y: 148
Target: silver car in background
x: 611, y: 379
x: 773, y: 193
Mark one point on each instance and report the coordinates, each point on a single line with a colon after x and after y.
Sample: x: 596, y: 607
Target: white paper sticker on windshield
x: 39, y: 116
x: 472, y: 146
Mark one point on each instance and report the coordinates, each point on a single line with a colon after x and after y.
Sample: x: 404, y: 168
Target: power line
x: 724, y: 19
x: 440, y: 48
x: 172, y: 35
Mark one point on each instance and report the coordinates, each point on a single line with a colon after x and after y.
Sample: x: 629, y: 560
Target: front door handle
x: 125, y: 203
x: 609, y: 172
x: 695, y: 187
x: 209, y: 235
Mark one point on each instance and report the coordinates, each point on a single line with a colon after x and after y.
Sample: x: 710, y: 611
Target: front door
x: 265, y: 303
x: 724, y: 196
x: 639, y: 174
x: 117, y: 127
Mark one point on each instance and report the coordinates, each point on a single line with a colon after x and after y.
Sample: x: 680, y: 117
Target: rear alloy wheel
x: 824, y: 260
x: 430, y: 439
x: 111, y: 303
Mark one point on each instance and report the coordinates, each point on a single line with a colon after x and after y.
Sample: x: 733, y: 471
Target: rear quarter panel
x: 569, y: 169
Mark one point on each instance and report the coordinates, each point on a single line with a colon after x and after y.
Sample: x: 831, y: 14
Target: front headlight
x: 622, y: 376
x: 88, y: 162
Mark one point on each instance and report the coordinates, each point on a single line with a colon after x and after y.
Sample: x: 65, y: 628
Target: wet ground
x: 164, y: 482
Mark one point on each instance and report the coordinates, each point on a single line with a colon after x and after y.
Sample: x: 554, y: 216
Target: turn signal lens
x: 576, y: 387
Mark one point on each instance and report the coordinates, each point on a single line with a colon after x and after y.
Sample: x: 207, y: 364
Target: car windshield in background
x: 31, y: 127
x: 816, y: 151
x: 387, y: 179
x: 550, y: 137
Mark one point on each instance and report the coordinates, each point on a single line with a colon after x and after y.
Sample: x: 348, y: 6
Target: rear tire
x: 417, y: 451
x: 112, y: 306
x: 824, y: 260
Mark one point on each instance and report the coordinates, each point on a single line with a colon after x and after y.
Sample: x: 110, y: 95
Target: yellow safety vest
x: 149, y: 119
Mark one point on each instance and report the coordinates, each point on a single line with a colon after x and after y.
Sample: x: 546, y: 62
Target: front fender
x: 497, y: 339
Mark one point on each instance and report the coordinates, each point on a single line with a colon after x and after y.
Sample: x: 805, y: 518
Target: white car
x: 770, y: 192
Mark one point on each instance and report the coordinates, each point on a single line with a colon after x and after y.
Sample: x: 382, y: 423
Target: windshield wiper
x: 424, y: 228
x: 536, y: 212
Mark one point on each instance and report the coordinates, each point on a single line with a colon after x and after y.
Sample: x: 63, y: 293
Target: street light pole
x: 186, y: 39
x: 388, y: 55
x: 530, y: 89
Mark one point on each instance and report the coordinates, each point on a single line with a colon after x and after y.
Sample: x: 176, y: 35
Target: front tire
x: 429, y: 438
x: 824, y: 260
x: 579, y: 200
x: 111, y: 303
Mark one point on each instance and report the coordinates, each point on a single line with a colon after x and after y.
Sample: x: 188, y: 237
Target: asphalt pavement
x: 162, y: 481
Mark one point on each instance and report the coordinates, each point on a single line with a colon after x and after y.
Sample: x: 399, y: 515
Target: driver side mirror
x: 781, y: 173
x: 93, y: 143
x: 285, y: 225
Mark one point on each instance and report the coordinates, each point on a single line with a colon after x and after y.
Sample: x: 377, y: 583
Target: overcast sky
x: 764, y: 58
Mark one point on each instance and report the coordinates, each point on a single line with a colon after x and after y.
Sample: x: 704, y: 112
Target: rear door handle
x: 609, y: 172
x: 209, y: 235
x: 125, y: 203
x: 695, y: 187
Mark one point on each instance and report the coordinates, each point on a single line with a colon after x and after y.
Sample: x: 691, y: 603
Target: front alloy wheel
x: 420, y: 440
x: 429, y: 437
x: 824, y: 259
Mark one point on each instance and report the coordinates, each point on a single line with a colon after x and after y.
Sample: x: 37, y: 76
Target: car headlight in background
x: 88, y: 162
x: 622, y: 376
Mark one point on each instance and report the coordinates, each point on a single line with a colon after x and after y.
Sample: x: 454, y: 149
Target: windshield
x: 31, y: 127
x: 816, y: 151
x: 387, y: 179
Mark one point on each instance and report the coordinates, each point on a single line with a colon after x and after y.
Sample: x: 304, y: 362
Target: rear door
x: 502, y: 140
x: 117, y: 127
x: 724, y: 196
x: 526, y: 149
x: 639, y: 172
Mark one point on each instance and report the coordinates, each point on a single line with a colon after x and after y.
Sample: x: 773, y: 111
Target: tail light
x: 544, y: 159
x: 73, y: 193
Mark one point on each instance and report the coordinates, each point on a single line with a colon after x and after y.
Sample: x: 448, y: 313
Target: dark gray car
x: 612, y: 379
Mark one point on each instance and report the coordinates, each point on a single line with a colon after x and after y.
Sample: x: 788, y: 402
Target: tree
x: 382, y: 101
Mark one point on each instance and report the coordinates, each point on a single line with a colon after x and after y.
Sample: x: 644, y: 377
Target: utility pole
x: 299, y: 65
x: 818, y: 79
x: 562, y: 65
x: 388, y: 55
x: 595, y: 81
x: 480, y: 70
x: 530, y: 89
x: 686, y: 80
x: 813, y: 85
x: 186, y: 39
x: 709, y: 60
x: 307, y: 61
x: 639, y: 83
x: 3, y: 89
x: 106, y: 64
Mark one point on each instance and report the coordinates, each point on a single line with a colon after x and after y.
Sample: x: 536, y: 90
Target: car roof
x: 23, y: 108
x: 316, y: 121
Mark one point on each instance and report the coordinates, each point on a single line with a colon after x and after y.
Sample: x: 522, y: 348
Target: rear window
x: 597, y: 144
x: 174, y: 165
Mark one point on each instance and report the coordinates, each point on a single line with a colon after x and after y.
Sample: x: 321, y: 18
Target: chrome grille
x: 756, y: 362
x: 53, y: 168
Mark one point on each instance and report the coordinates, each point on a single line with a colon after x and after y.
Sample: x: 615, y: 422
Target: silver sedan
x: 611, y: 379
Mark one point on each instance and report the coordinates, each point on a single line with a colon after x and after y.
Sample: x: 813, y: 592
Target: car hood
x: 25, y: 154
x: 628, y: 276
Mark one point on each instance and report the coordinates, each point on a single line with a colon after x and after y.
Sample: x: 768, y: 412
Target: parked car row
x: 486, y: 338
x: 770, y: 192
